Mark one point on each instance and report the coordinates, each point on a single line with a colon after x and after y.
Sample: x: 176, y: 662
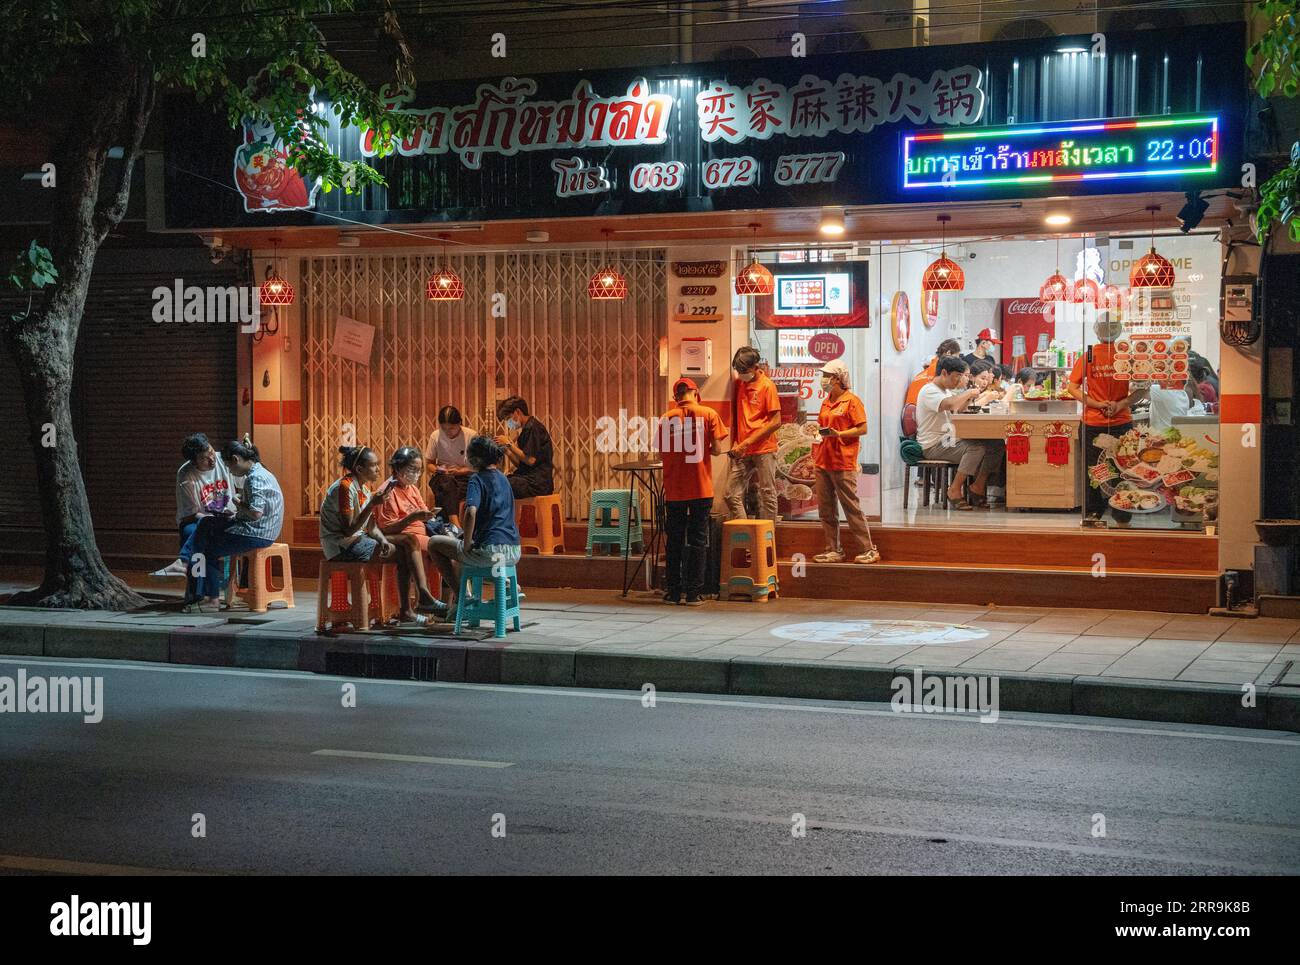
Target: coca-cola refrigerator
x: 1026, y: 329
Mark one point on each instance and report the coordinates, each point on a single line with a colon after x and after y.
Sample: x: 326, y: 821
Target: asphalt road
x: 597, y: 783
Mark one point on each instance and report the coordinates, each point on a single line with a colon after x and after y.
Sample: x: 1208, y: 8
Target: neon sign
x: 1066, y: 151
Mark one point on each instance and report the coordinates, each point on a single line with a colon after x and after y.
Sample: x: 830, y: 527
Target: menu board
x: 1158, y: 356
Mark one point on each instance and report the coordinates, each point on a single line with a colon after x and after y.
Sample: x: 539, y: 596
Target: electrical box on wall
x: 697, y: 356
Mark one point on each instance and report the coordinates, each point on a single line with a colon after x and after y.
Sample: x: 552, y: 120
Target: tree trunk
x: 75, y: 574
x: 118, y: 106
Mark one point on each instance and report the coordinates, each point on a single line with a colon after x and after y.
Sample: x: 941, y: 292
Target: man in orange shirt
x: 1106, y: 404
x: 758, y: 416
x: 688, y: 435
x: 949, y: 346
x: 842, y: 421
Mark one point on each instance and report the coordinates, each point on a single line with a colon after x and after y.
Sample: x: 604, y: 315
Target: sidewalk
x: 1108, y: 663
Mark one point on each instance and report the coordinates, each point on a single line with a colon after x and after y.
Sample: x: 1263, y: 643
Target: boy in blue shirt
x: 491, y: 536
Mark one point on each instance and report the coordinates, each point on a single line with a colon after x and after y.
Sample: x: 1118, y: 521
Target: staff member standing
x: 531, y: 453
x: 984, y: 343
x: 688, y: 438
x: 758, y: 416
x: 1107, y: 402
x: 843, y: 421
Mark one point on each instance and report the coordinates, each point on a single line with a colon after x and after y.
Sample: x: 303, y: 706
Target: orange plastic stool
x: 263, y: 589
x: 748, y: 560
x: 541, y: 524
x: 362, y: 591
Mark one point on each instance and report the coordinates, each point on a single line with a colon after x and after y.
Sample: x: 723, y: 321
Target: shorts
x: 362, y: 551
x: 505, y: 553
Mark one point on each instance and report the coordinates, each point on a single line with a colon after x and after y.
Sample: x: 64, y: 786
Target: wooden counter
x: 1036, y: 484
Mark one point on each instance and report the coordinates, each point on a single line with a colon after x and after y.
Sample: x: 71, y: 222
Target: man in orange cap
x: 687, y: 439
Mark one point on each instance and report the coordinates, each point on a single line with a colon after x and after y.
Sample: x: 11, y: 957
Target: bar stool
x: 541, y: 524
x: 262, y: 588
x: 471, y: 607
x: 748, y: 560
x: 613, y: 520
x: 935, y: 473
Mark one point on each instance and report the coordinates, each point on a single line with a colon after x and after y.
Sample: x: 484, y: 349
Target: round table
x: 644, y: 474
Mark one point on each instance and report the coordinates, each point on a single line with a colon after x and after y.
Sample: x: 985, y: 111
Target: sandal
x: 962, y: 505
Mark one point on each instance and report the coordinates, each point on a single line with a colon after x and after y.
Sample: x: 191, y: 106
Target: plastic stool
x: 262, y: 590
x: 541, y: 524
x: 471, y: 607
x: 748, y: 559
x: 362, y: 591
x: 607, y: 520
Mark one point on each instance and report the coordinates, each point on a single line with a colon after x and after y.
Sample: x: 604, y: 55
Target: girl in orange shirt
x: 401, y: 517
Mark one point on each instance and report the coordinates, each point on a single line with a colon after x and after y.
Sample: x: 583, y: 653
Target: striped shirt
x: 261, y: 493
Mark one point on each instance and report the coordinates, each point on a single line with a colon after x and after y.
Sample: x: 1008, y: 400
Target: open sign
x: 826, y: 346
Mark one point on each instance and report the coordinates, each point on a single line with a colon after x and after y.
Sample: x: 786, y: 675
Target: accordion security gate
x: 525, y: 326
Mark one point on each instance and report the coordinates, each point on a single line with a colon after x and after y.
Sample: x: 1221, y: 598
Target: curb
x: 531, y: 664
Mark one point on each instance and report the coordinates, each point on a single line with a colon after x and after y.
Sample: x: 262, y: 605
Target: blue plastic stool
x: 608, y: 520
x: 471, y: 607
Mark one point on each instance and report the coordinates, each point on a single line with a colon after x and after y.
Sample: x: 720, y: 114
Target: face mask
x: 826, y: 383
x: 512, y: 425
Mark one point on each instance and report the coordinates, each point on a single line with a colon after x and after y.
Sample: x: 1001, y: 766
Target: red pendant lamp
x: 608, y: 283
x: 754, y: 278
x: 444, y: 285
x: 275, y: 290
x: 1086, y: 292
x: 1112, y: 296
x: 943, y: 274
x: 1057, y: 288
x: 1152, y: 270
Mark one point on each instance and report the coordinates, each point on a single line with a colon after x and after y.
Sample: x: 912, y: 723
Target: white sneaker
x: 831, y: 556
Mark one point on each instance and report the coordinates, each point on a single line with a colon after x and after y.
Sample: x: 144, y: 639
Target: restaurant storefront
x: 525, y: 187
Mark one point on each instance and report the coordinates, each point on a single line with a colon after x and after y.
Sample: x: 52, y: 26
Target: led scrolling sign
x: 1068, y: 151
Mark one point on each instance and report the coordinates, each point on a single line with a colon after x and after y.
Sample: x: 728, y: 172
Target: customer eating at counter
x: 1107, y: 400
x: 976, y: 459
x: 949, y: 346
x: 842, y: 422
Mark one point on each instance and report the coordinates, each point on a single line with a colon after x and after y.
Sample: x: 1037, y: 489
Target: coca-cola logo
x: 1031, y: 306
x: 826, y: 347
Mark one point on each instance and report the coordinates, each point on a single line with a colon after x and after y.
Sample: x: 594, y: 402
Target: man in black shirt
x: 984, y: 343
x: 530, y: 454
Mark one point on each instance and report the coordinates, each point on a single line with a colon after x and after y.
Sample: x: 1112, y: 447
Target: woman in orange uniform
x: 842, y: 421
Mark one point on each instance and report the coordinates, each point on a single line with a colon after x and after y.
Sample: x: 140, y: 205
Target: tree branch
x: 135, y: 121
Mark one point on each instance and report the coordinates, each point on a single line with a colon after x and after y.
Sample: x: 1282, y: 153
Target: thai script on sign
x: 502, y: 120
x: 1065, y: 155
x: 577, y: 177
x: 848, y: 105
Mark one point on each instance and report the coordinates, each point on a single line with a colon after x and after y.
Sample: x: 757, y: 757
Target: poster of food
x: 1159, y: 356
x: 1171, y: 475
x: 794, y: 468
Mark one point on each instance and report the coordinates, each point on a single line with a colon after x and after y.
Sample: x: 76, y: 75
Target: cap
x: 839, y: 370
x: 988, y: 335
x: 684, y: 383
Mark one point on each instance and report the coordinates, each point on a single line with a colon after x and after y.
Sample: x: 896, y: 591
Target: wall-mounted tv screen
x: 818, y: 295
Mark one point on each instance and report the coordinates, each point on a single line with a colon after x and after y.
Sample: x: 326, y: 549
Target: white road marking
x: 737, y: 702
x: 411, y: 758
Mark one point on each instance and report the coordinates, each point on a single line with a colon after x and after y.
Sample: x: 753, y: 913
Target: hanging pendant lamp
x: 608, y: 283
x: 275, y: 290
x: 1152, y: 270
x: 754, y: 278
x: 1112, y: 296
x: 1057, y: 287
x: 444, y: 285
x: 943, y: 274
x: 1086, y: 292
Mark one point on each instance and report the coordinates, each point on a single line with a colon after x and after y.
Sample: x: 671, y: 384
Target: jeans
x: 1094, y: 500
x: 212, y: 540
x: 687, y: 547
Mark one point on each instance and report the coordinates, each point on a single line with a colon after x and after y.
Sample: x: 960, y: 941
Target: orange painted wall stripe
x: 272, y: 412
x: 1239, y: 409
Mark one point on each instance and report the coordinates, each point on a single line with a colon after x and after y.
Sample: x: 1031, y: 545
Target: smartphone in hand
x: 824, y: 431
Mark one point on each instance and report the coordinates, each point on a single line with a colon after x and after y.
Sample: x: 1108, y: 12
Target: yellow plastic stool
x: 748, y: 560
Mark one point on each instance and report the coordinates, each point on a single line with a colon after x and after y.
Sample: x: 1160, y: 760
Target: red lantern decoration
x: 1152, y: 270
x: 755, y: 279
x: 943, y: 274
x: 1086, y: 292
x: 1112, y: 296
x: 444, y: 285
x: 608, y: 283
x: 1057, y: 287
x: 275, y: 290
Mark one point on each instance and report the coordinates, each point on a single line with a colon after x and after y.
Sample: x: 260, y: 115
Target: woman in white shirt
x: 449, y: 468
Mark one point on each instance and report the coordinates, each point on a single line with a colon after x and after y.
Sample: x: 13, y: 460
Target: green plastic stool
x: 607, y: 520
x: 504, y: 605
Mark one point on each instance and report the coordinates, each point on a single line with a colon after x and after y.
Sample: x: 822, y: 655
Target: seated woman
x: 347, y: 513
x: 491, y: 536
x: 203, y: 489
x: 1026, y: 379
x: 448, y: 467
x: 258, y: 517
x: 401, y: 517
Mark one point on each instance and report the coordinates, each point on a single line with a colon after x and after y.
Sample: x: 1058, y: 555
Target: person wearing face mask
x: 842, y: 422
x: 531, y: 453
x: 448, y: 464
x: 401, y: 517
x: 753, y: 455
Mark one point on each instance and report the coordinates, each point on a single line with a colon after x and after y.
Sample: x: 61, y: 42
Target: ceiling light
x: 832, y: 222
x: 1057, y: 218
x: 537, y: 236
